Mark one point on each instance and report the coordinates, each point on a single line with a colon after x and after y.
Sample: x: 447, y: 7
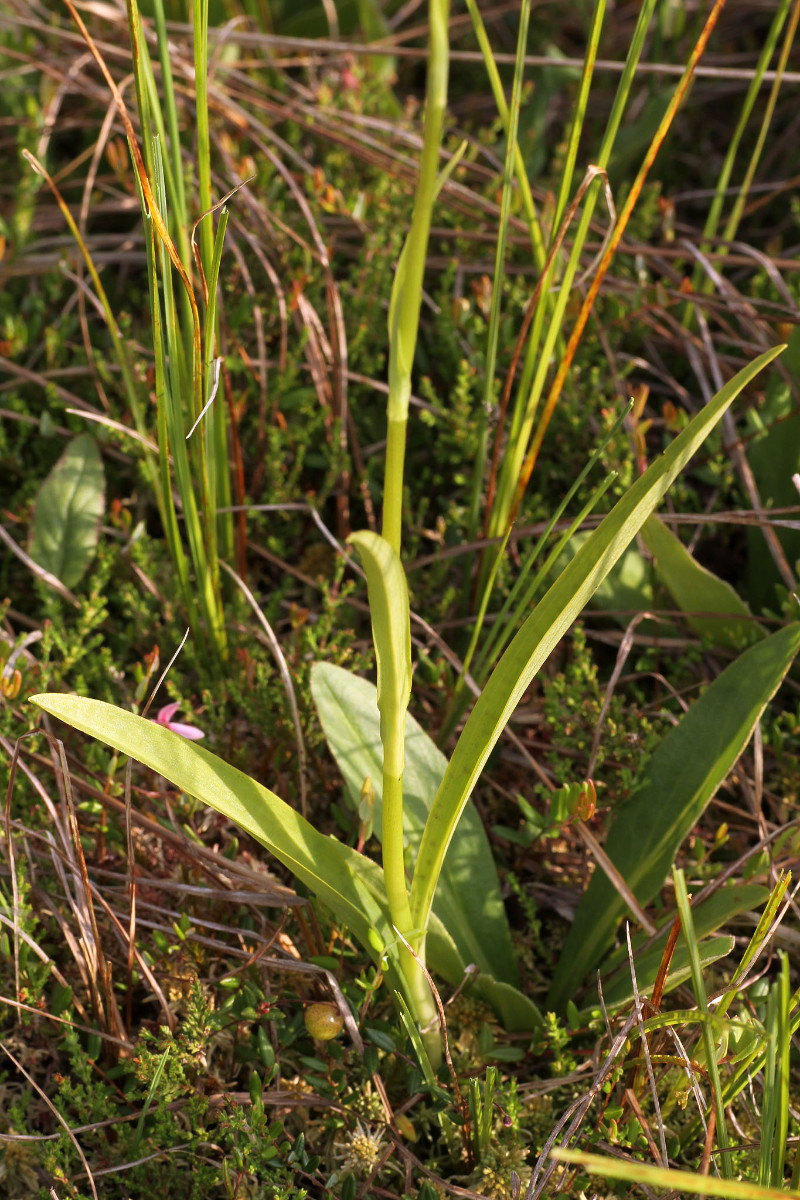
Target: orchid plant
x: 435, y: 903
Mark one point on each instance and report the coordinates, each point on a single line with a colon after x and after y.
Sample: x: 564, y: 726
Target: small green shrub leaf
x: 677, y: 784
x: 69, y: 508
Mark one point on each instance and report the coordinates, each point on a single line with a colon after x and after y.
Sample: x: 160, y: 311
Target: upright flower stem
x: 404, y: 312
x: 407, y: 293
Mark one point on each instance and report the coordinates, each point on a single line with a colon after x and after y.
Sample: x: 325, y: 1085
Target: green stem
x: 407, y: 295
x: 393, y: 863
x: 393, y: 476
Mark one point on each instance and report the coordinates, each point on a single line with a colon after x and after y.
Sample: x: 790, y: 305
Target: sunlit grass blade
x: 689, y: 1182
x: 347, y: 882
x: 490, y: 360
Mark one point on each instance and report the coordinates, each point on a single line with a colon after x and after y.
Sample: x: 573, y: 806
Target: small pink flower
x: 165, y: 716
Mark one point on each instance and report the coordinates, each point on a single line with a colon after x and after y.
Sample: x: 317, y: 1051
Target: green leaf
x: 473, y: 915
x: 696, y: 591
x: 692, y: 1183
x: 620, y: 993
x: 347, y: 882
x: 391, y: 633
x: 516, y: 1010
x: 677, y: 784
x: 544, y: 629
x: 716, y: 911
x: 626, y: 589
x: 69, y: 508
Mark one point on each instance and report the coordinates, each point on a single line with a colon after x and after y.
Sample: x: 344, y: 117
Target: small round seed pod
x: 324, y: 1021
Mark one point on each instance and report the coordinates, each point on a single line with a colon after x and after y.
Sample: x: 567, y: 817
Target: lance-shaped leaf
x: 544, y: 629
x: 678, y: 781
x: 69, y: 508
x: 711, y: 915
x: 712, y: 607
x: 350, y: 884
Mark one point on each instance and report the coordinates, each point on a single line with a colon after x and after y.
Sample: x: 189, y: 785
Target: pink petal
x: 188, y: 731
x: 165, y: 714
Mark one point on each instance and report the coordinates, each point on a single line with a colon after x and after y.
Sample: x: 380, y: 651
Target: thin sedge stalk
x: 139, y: 81
x: 768, y: 1105
x: 169, y: 130
x: 497, y: 280
x: 218, y: 496
x: 732, y: 224
x: 503, y: 627
x: 780, y: 1089
x: 172, y: 129
x: 170, y: 520
x: 579, y: 116
x: 200, y: 24
x: 216, y: 452
x: 688, y: 934
x: 522, y: 478
x: 700, y: 281
x: 407, y: 300
x: 498, y: 92
x: 188, y: 461
x: 528, y: 399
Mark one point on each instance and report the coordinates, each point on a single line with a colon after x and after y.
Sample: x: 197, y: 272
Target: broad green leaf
x: 347, y: 882
x: 720, y: 907
x: 773, y: 453
x: 468, y: 898
x: 544, y: 629
x: 69, y: 508
x: 517, y: 1011
x: 677, y: 784
x: 626, y: 589
x: 697, y: 591
x: 620, y: 993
